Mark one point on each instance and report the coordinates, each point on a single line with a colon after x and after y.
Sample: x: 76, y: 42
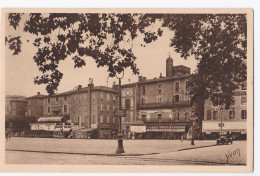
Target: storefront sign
x: 232, y: 126
x: 225, y: 130
x: 138, y: 129
x: 166, y: 130
x: 120, y: 113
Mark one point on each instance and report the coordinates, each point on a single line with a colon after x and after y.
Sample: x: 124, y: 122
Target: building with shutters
x: 15, y: 106
x: 35, y: 105
x: 233, y: 120
x: 91, y: 109
x: 159, y: 107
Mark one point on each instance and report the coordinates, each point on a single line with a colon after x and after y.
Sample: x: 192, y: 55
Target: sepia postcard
x: 126, y: 90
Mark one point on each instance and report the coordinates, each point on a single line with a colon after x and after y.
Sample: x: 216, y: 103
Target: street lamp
x: 221, y: 110
x: 120, y: 147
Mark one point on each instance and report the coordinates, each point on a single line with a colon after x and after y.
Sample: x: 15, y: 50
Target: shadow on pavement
x: 197, y: 147
x: 75, y: 153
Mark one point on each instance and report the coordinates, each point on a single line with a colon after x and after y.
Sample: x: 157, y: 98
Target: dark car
x: 224, y: 139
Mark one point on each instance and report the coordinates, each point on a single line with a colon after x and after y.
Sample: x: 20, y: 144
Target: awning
x: 85, y: 130
x: 165, y: 130
x: 64, y: 129
x: 208, y: 131
x: 50, y: 119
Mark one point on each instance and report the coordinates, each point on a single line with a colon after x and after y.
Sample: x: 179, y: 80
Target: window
x: 101, y: 95
x: 243, y: 114
x: 101, y: 119
x: 186, y: 115
x: 159, y: 88
x: 101, y: 107
x: 108, y: 120
x: 143, y: 90
x: 94, y: 107
x: 48, y: 101
x: 177, y: 115
x: 94, y: 119
x: 143, y: 117
x: 143, y: 100
x: 131, y: 117
x: 215, y: 115
x: 244, y: 85
x: 107, y: 107
x: 187, y: 85
x: 127, y: 104
x: 86, y: 108
x: 243, y: 100
x: 108, y: 98
x: 114, y: 98
x: 65, y: 98
x: 57, y: 99
x: 232, y: 102
x: 208, y: 114
x: 176, y: 98
x: 73, y: 108
x: 159, y: 116
x: 231, y: 114
x: 159, y: 99
x: 177, y: 87
x: 65, y: 108
x: 49, y: 109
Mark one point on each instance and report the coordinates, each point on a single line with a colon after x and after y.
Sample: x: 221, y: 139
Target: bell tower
x: 169, y: 66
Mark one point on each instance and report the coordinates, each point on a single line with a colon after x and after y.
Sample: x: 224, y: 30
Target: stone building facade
x: 35, y: 105
x: 90, y: 107
x: 15, y: 105
x: 233, y: 119
x: 159, y: 107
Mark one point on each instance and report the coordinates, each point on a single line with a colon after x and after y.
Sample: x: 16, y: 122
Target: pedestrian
x: 182, y: 138
x: 61, y: 133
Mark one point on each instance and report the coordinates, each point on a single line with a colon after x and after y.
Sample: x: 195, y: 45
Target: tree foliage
x: 217, y: 41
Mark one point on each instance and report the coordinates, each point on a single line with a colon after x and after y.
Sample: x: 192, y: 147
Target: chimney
x: 79, y: 87
x: 140, y: 78
x: 160, y: 75
x: 38, y: 93
x: 144, y: 78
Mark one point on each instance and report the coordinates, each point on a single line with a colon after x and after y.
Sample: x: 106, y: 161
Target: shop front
x: 166, y: 131
x: 237, y: 128
x: 105, y: 132
x: 137, y: 132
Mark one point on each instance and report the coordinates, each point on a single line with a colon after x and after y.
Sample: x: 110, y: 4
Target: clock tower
x: 169, y: 66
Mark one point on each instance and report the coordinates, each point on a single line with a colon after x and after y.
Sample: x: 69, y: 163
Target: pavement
x: 137, y: 152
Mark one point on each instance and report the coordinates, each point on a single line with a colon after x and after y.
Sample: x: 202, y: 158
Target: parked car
x: 224, y: 139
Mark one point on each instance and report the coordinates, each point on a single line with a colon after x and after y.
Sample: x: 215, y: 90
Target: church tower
x: 169, y: 66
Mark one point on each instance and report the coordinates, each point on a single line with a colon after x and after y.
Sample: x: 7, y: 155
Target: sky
x: 20, y: 70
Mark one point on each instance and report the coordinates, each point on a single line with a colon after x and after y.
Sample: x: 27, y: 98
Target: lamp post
x: 120, y: 147
x: 221, y: 120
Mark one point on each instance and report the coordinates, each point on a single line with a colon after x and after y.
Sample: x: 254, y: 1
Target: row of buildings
x: 155, y: 108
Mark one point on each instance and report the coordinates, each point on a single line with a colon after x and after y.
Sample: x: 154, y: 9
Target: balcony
x: 164, y: 105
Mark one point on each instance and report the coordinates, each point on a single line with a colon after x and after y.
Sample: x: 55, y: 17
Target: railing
x: 167, y: 104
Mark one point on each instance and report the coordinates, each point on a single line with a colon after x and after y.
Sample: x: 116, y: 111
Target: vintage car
x: 224, y: 139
